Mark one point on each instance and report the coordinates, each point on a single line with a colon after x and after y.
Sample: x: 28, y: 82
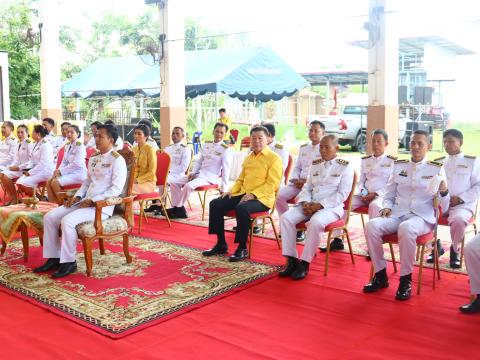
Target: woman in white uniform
x: 73, y: 169
x: 43, y: 163
x: 21, y: 163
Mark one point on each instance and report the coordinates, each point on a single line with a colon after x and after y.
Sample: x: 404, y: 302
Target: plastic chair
x: 234, y: 133
x: 197, y: 142
x: 245, y: 143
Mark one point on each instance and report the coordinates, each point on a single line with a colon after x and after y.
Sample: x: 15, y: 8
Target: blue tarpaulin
x: 247, y: 74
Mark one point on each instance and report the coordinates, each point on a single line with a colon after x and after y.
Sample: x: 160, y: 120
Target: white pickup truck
x: 351, y: 125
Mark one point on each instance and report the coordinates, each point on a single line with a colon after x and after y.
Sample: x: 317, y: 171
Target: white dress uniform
x: 307, y: 153
x: 22, y: 159
x: 73, y: 169
x: 409, y: 194
x: 107, y: 174
x: 150, y: 142
x: 180, y: 159
x: 374, y: 175
x: 463, y: 176
x: 42, y: 165
x: 55, y: 141
x: 329, y: 183
x: 214, y: 162
x: 472, y: 262
x: 283, y: 153
x: 8, y: 150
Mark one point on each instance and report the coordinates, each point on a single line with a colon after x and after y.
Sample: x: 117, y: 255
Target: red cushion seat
x: 71, y: 187
x: 232, y: 213
x: 361, y: 210
x: 151, y: 195
x: 333, y: 225
x: 206, y: 187
x: 421, y: 240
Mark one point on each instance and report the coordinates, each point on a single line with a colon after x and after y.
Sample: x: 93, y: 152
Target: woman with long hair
x: 145, y: 174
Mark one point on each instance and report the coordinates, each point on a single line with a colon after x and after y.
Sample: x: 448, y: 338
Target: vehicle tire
x: 360, y: 143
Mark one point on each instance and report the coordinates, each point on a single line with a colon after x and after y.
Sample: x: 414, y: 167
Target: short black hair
x: 24, y: 127
x: 179, y: 128
x: 380, y: 132
x: 271, y: 129
x: 65, y: 123
x: 49, y: 120
x: 422, y: 132
x: 222, y: 110
x: 259, y: 128
x: 76, y: 128
x: 221, y: 125
x: 9, y: 124
x: 143, y: 128
x: 317, y: 122
x: 453, y: 132
x: 39, y: 129
x: 112, y: 131
x: 96, y: 124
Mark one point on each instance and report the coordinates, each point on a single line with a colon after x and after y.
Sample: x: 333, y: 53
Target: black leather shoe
x: 301, y: 271
x: 65, y: 269
x: 292, y: 264
x: 300, y: 236
x: 379, y: 281
x: 153, y: 208
x: 404, y: 288
x: 440, y: 252
x: 335, y: 245
x: 216, y: 250
x: 177, y: 213
x: 50, y: 264
x: 472, y: 308
x: 257, y: 230
x: 454, y: 259
x: 238, y: 255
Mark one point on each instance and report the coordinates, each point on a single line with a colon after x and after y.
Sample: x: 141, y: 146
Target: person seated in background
x: 472, y: 262
x: 320, y: 202
x: 21, y: 163
x: 150, y: 140
x: 8, y: 145
x: 463, y: 178
x: 72, y: 169
x: 146, y: 167
x: 89, y: 139
x: 55, y: 141
x: 42, y: 161
x: 64, y: 128
x: 107, y: 174
x: 276, y: 147
x: 408, y: 210
x: 253, y: 191
x: 307, y: 153
x: 213, y: 164
x: 119, y: 143
x: 225, y: 119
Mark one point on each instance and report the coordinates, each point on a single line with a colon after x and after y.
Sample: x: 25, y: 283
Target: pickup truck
x: 351, y: 126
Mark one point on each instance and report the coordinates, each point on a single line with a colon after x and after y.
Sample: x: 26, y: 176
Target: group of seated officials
x: 399, y: 193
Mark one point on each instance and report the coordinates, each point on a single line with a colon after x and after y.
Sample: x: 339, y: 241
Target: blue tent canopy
x: 247, y: 74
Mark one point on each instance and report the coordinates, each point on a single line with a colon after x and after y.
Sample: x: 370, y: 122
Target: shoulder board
x: 342, y: 162
x: 304, y: 145
x: 28, y: 141
x: 225, y: 145
x: 470, y: 156
x: 366, y: 157
x: 115, y: 154
x: 434, y: 163
x: 44, y: 141
x: 279, y: 146
x: 439, y: 158
x: 317, y: 161
x: 392, y: 157
x: 12, y: 137
x: 208, y: 142
x: 183, y: 145
x: 79, y: 143
x: 401, y: 161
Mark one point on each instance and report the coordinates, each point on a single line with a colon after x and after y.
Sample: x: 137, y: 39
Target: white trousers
x: 34, y: 180
x: 407, y: 227
x: 65, y: 219
x: 313, y: 235
x: 472, y: 262
x: 458, y: 221
x: 284, y: 194
x: 181, y: 189
x: 72, y: 178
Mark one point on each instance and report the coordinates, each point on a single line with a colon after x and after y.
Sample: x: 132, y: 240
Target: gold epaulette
x: 183, y: 145
x: 279, y: 146
x: 225, y: 145
x: 440, y: 158
x: 392, y: 157
x: 470, y: 156
x: 115, y: 154
x: 208, y: 141
x: 79, y: 143
x: 12, y: 137
x: 434, y: 163
x: 28, y: 141
x: 44, y: 141
x: 342, y: 162
x: 401, y: 161
x: 366, y: 157
x: 317, y: 161
x: 304, y: 145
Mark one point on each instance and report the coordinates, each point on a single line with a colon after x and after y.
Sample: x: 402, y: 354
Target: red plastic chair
x: 245, y: 143
x: 205, y: 189
x: 163, y: 166
x: 90, y: 152
x: 340, y: 224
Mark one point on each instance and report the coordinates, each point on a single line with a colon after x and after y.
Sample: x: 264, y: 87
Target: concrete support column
x: 49, y: 13
x: 172, y: 70
x: 4, y: 88
x: 383, y: 73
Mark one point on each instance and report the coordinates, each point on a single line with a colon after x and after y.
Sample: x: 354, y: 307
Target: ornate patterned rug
x: 164, y: 281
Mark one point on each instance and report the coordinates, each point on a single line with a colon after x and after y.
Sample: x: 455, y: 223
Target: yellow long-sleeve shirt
x: 261, y: 175
x: 226, y: 120
x: 146, y: 167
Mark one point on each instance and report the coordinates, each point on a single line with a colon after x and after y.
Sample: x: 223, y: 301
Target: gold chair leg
x: 328, y: 253
x: 363, y: 222
x: 250, y: 235
x: 417, y: 254
x: 420, y: 270
x: 125, y: 249
x: 345, y: 231
x: 142, y: 214
x: 204, y: 203
x: 275, y: 232
x: 392, y: 253
x: 164, y: 207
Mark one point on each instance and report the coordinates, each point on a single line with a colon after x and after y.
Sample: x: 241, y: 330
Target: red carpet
x: 318, y: 318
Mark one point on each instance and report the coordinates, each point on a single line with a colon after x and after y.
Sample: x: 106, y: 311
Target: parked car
x: 351, y: 126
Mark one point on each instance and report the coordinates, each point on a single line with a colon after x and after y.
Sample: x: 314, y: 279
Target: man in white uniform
x: 8, y: 146
x: 321, y: 202
x: 472, y: 262
x: 214, y: 163
x: 55, y: 141
x: 463, y: 177
x: 107, y: 174
x: 90, y: 141
x: 63, y: 128
x: 276, y: 147
x: 408, y: 210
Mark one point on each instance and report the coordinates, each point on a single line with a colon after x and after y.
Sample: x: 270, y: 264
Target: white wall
x: 5, y: 91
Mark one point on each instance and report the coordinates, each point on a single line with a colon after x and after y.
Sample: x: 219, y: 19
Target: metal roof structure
x: 336, y: 77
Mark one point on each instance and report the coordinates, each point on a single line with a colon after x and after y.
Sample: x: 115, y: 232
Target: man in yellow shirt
x: 253, y: 191
x: 224, y: 119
